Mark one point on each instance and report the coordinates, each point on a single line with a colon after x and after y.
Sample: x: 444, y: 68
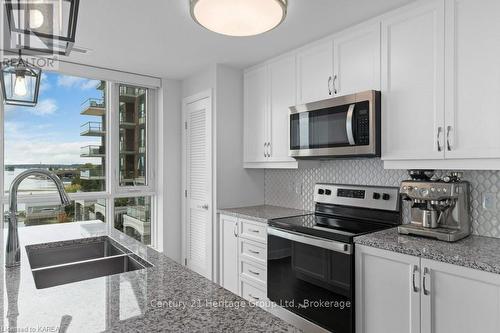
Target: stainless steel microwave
x: 346, y: 126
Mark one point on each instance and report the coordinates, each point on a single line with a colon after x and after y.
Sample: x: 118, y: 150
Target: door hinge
x: 185, y: 193
x: 185, y: 125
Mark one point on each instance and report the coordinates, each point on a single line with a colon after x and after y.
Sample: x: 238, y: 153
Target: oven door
x: 312, y: 277
x: 342, y: 126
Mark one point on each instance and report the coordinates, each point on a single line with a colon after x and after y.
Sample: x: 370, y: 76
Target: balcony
x: 92, y: 129
x: 92, y: 151
x: 92, y: 174
x: 141, y: 213
x: 93, y: 107
x: 142, y: 119
x: 131, y: 91
x: 126, y: 150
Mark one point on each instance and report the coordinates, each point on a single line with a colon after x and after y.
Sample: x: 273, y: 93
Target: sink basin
x: 58, y: 275
x: 43, y: 255
x: 58, y: 263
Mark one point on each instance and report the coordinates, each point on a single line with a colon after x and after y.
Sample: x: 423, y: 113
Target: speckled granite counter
x: 262, y: 213
x: 165, y: 298
x: 477, y: 252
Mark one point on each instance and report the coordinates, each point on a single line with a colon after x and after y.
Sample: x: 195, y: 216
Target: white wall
x: 236, y: 186
x: 169, y: 159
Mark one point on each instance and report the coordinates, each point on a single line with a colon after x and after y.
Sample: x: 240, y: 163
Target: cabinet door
x: 387, y: 292
x: 413, y: 83
x: 282, y: 88
x: 459, y: 300
x: 255, y: 112
x: 356, y: 57
x: 473, y: 78
x: 315, y: 73
x: 229, y: 270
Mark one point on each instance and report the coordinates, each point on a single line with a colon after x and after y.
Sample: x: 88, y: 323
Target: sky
x: 49, y: 133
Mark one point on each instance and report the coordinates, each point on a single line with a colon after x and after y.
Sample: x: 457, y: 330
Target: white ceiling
x: 158, y: 37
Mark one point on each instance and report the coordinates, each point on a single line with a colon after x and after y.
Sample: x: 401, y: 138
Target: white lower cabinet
x: 243, y: 257
x: 398, y: 293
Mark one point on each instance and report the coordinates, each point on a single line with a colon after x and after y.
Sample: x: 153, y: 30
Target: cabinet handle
x: 235, y: 230
x: 253, y: 272
x: 253, y: 297
x: 440, y: 129
x: 329, y: 85
x: 448, y: 130
x: 254, y: 252
x: 254, y: 230
x: 424, y: 287
x: 333, y: 83
x: 265, y: 154
x: 414, y: 272
x: 270, y: 153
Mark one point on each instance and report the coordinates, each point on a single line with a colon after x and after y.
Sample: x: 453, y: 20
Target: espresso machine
x: 439, y: 207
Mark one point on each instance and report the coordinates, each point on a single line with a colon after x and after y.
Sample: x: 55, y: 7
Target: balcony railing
x: 93, y: 107
x: 140, y: 213
x: 142, y: 119
x: 92, y: 128
x: 92, y: 151
x: 131, y: 91
x: 92, y: 174
x: 125, y: 149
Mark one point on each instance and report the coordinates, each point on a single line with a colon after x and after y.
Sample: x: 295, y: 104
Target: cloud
x: 47, y: 152
x: 76, y: 82
x: 44, y: 107
x: 44, y: 83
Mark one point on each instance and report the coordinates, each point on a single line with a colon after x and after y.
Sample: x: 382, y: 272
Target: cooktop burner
x: 346, y: 211
x: 334, y: 228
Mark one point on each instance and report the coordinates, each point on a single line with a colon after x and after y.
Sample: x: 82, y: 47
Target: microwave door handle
x: 349, y: 124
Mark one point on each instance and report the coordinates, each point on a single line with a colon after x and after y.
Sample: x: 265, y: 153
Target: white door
x: 256, y: 103
x: 459, y: 300
x: 413, y: 83
x: 198, y: 169
x: 387, y: 292
x: 473, y: 78
x: 356, y: 55
x: 282, y: 89
x: 315, y: 73
x: 229, y: 253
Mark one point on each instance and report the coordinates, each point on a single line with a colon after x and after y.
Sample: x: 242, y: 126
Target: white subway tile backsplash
x: 278, y: 185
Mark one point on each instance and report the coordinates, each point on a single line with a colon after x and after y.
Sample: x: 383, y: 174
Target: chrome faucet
x: 12, y: 251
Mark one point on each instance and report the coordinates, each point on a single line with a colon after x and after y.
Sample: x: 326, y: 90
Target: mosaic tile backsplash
x: 294, y: 188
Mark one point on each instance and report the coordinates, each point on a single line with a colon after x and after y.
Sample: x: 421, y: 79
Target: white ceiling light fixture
x: 239, y: 17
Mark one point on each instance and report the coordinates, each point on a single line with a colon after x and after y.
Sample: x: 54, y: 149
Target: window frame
x: 112, y: 188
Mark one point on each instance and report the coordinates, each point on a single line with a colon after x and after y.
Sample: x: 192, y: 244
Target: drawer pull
x: 254, y: 231
x: 253, y: 272
x: 254, y: 252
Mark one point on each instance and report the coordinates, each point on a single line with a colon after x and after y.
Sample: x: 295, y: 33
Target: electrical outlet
x: 489, y: 201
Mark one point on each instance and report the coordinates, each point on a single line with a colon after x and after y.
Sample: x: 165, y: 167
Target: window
x: 79, y: 132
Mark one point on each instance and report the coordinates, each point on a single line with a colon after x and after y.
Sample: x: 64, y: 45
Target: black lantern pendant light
x: 20, y: 82
x: 46, y: 26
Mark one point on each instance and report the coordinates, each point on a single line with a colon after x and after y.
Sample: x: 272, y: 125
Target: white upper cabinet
x: 282, y: 81
x: 473, y: 78
x: 256, y: 104
x: 356, y: 55
x: 315, y: 73
x: 413, y: 83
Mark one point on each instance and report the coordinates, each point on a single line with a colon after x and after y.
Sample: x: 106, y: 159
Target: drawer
x: 253, y: 230
x: 253, y: 251
x: 253, y: 292
x: 253, y: 271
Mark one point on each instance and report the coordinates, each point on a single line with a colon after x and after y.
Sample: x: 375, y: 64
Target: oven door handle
x: 311, y: 240
x: 348, y: 125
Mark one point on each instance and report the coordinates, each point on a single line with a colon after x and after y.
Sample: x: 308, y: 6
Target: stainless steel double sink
x: 54, y: 264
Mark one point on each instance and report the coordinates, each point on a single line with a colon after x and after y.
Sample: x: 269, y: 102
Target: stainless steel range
x: 311, y: 258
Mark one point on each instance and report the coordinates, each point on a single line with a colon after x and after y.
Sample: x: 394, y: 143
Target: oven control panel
x: 374, y: 197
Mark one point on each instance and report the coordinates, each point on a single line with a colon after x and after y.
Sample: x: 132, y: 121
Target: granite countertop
x: 477, y: 252
x: 165, y: 298
x: 263, y: 213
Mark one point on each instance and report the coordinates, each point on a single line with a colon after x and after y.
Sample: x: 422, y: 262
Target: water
x: 30, y: 185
